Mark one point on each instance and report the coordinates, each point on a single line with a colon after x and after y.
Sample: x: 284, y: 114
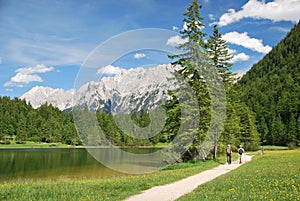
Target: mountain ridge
x: 128, y: 90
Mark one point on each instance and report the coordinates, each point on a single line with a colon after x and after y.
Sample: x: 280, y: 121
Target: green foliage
x: 271, y: 89
x: 218, y: 52
x: 189, y: 67
x: 45, y: 124
x: 209, y: 59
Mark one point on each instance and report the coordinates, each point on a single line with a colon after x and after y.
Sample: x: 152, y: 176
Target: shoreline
x: 65, y: 146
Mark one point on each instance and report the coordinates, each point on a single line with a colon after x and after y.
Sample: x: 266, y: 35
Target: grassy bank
x: 116, y: 188
x: 28, y: 144
x: 273, y: 176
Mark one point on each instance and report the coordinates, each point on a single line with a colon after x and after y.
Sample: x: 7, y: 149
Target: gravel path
x: 177, y: 189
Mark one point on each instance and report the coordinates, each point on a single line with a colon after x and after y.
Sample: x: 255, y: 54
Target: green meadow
x: 272, y: 176
x: 110, y: 188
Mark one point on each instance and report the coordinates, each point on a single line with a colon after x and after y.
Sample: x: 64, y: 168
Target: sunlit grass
x: 115, y: 188
x: 273, y: 176
x: 29, y: 144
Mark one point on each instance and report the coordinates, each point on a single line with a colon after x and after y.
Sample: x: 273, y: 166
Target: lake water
x: 42, y: 163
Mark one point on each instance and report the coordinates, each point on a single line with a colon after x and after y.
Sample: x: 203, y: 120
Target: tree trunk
x: 215, y: 147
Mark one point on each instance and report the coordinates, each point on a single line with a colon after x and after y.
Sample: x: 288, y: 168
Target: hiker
x: 228, y: 154
x: 241, y: 151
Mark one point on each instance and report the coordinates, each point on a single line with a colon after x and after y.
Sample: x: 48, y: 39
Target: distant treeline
x: 46, y: 124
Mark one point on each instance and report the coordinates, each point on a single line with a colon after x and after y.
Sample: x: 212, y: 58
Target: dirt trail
x: 177, y: 189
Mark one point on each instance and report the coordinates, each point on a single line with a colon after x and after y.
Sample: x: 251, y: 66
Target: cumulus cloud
x: 277, y: 10
x: 110, y: 70
x: 244, y: 40
x: 139, y: 55
x: 27, y: 75
x: 240, y: 57
x: 176, y: 40
x: 174, y: 28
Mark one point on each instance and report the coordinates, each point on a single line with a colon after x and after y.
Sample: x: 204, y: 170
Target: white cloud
x: 211, y: 17
x: 244, y: 40
x: 40, y: 68
x: 176, y: 40
x: 277, y: 10
x: 240, y: 57
x: 29, y: 74
x: 174, y: 28
x: 139, y: 55
x: 26, y: 78
x: 110, y: 70
x: 231, y: 51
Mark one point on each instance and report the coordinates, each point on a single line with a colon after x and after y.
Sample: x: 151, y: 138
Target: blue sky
x: 44, y: 42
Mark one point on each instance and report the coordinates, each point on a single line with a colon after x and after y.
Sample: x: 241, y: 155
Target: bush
x: 20, y: 142
x: 292, y: 145
x: 5, y: 142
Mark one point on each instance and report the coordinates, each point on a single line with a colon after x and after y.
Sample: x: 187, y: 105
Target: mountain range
x: 128, y: 90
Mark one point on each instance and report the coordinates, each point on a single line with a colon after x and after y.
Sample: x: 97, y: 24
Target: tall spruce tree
x: 189, y: 67
x: 218, y: 53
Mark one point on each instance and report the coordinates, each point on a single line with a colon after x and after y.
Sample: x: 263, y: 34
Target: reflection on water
x: 43, y: 163
x: 50, y: 164
x: 130, y: 160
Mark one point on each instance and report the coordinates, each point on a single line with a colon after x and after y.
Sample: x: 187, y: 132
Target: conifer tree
x: 189, y: 67
x: 218, y: 52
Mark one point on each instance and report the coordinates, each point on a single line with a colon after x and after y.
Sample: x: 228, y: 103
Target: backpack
x: 241, y: 151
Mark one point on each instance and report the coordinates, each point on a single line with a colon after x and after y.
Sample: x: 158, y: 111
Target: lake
x: 53, y: 163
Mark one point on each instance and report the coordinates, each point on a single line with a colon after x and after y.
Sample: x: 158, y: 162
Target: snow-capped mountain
x: 39, y: 95
x: 129, y: 90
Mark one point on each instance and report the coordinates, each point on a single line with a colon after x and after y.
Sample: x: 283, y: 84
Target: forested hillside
x: 19, y: 121
x: 272, y: 90
x: 45, y: 124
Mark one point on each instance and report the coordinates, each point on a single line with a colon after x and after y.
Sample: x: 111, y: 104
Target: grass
x: 273, y: 147
x: 115, y: 188
x: 28, y: 144
x: 272, y: 176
